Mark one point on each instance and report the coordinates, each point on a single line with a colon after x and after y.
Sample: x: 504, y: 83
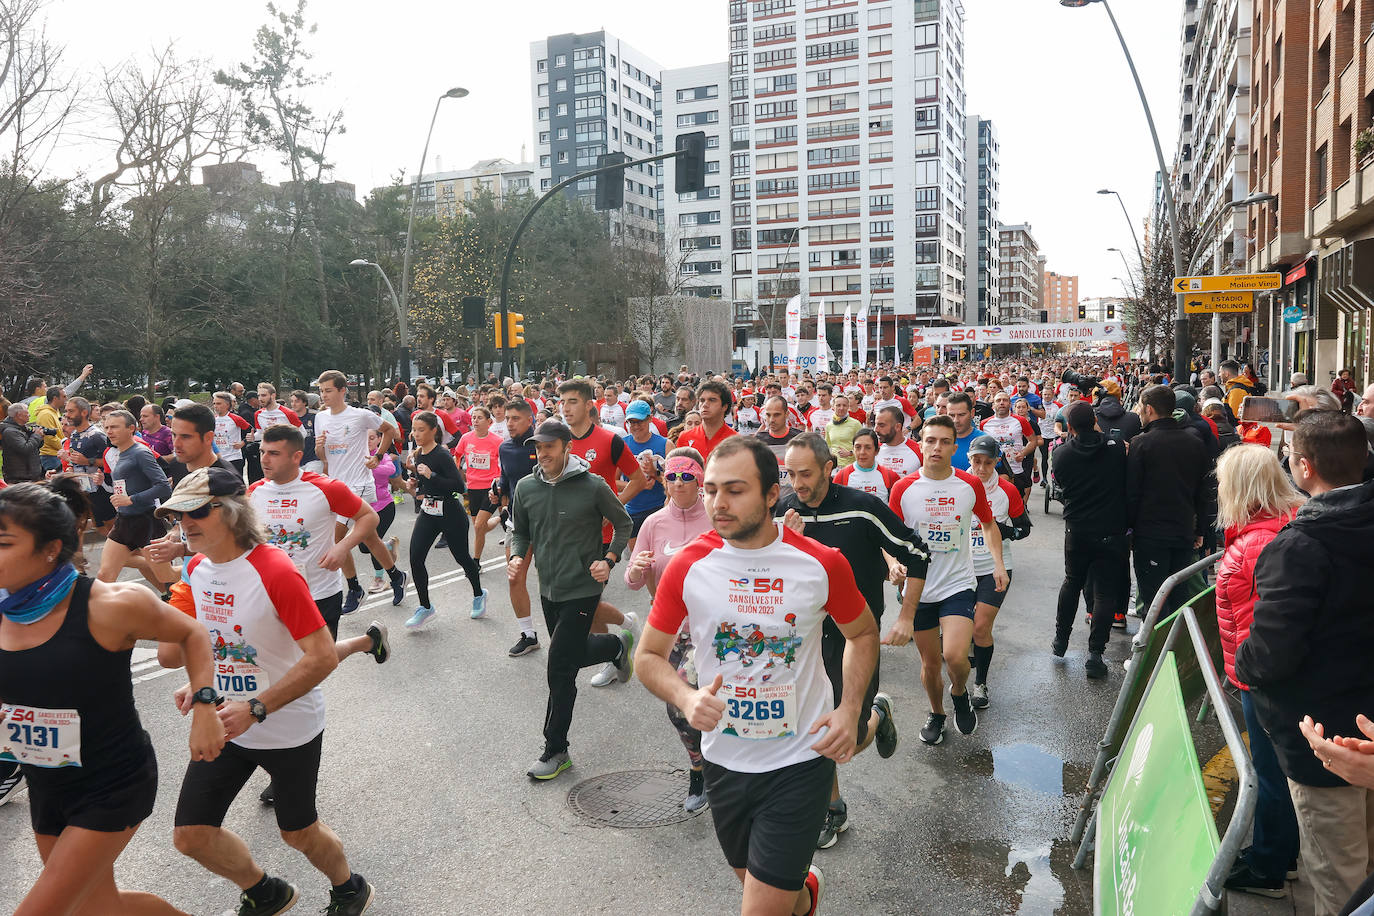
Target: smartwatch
x: 257, y: 710
x: 207, y: 696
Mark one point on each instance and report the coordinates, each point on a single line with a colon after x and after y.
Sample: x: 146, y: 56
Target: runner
x: 771, y: 736
x: 231, y: 430
x: 840, y: 431
x: 518, y: 459
x: 85, y: 453
x: 940, y: 502
x: 479, y: 457
x: 897, y: 452
x: 1018, y: 439
x: 713, y: 402
x: 819, y: 417
x: 139, y: 482
x: 300, y: 406
x: 269, y: 412
x: 878, y: 547
x: 272, y: 650
x: 1010, y: 512
x: 663, y: 534
x: 438, y: 485
x: 384, y: 505
x: 78, y: 741
x: 776, y: 435
x: 960, y: 408
x: 558, y: 511
x: 865, y: 473
x: 341, y: 443
x: 651, y: 450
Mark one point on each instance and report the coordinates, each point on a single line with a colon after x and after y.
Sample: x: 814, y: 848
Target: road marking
x: 1219, y: 776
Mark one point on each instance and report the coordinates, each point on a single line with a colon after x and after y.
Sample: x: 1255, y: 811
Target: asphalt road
x: 424, y: 779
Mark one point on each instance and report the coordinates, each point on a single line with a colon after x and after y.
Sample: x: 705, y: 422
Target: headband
x: 681, y: 464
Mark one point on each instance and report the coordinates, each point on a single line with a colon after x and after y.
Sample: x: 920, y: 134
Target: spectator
x: 1343, y: 387
x: 47, y: 414
x: 20, y: 442
x: 1112, y: 415
x: 1237, y: 386
x: 1255, y: 500
x: 1167, y: 496
x: 1214, y: 410
x: 1298, y: 380
x: 1310, y: 397
x: 1310, y: 643
x: 1365, y: 407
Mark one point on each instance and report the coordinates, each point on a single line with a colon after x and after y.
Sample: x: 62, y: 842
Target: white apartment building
x: 695, y: 234
x: 444, y: 193
x: 1102, y: 308
x: 846, y: 158
x: 593, y: 94
x: 1020, y: 278
x: 982, y: 220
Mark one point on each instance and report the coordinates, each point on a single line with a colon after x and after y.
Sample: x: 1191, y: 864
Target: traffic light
x: 514, y: 330
x: 610, y: 186
x: 690, y: 174
x: 1111, y: 312
x: 1082, y: 313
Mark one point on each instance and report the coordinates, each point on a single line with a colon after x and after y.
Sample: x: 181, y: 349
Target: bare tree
x: 653, y: 280
x: 36, y: 99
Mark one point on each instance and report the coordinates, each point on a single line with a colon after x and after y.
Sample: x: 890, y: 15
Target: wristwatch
x: 609, y: 562
x: 207, y: 696
x: 257, y: 710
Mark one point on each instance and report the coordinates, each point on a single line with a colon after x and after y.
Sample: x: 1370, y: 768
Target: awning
x: 1347, y: 277
x: 1297, y: 273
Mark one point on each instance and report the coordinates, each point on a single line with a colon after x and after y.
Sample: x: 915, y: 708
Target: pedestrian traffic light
x: 514, y: 330
x: 610, y: 186
x: 1082, y: 313
x: 690, y: 173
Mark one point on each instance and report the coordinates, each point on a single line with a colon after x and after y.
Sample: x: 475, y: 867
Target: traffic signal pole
x: 506, y: 364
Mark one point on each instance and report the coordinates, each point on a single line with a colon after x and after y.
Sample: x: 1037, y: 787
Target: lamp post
x: 403, y: 325
x: 773, y: 312
x: 1139, y: 252
x: 1181, y: 347
x: 457, y: 92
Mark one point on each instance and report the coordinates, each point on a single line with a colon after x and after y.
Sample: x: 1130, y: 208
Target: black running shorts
x: 211, y: 786
x: 768, y: 822
x: 479, y: 500
x: 104, y: 804
x: 987, y: 590
x: 137, y: 531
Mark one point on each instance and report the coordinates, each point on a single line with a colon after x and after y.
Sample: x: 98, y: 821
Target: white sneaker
x: 632, y: 624
x: 606, y: 676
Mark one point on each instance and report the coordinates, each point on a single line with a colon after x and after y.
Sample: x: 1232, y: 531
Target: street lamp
x: 1139, y: 253
x: 1181, y: 347
x: 1204, y: 237
x: 457, y: 92
x: 403, y: 325
x: 773, y: 312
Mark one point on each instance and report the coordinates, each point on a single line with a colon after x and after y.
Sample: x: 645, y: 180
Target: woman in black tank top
x: 67, y: 712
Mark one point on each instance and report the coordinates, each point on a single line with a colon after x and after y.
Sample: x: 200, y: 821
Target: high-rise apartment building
x: 982, y: 245
x: 1060, y: 297
x: 594, y: 94
x: 1019, y: 281
x: 846, y: 152
x: 444, y: 193
x: 694, y: 232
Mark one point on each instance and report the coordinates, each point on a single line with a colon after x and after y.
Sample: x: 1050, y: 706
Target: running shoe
x: 479, y: 606
x: 398, y: 588
x: 836, y: 823
x: 1246, y: 880
x: 268, y: 796
x: 277, y: 897
x: 605, y: 677
x: 815, y: 883
x: 978, y: 696
x: 549, y: 765
x: 420, y: 617
x: 696, y: 792
x: 885, y: 735
x: 524, y: 646
x: 350, y: 904
x: 933, y: 732
x: 632, y: 624
x: 442, y: 543
x: 1095, y: 667
x: 11, y: 781
x: 378, y: 584
x: 352, y: 600
x: 625, y: 668
x: 965, y: 719
x: 1060, y: 646
x: 393, y: 544
x: 381, y: 646
x: 1119, y: 621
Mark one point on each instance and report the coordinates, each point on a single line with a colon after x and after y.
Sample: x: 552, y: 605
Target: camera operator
x: 20, y: 442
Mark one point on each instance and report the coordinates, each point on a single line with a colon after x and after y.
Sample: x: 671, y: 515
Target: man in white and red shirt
x: 896, y: 451
x: 754, y: 598
x: 940, y: 504
x: 886, y: 396
x: 269, y: 412
x: 819, y: 416
x: 230, y: 430
x: 1017, y: 438
x: 272, y: 651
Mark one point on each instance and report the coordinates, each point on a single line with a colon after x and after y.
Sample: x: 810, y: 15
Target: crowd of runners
x: 765, y: 517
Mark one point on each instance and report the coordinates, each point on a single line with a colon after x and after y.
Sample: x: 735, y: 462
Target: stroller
x: 1053, y: 492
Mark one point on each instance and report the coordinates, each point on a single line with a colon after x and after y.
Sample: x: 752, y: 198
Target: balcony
x: 1349, y: 205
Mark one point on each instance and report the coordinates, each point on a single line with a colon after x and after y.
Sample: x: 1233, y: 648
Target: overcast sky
x: 1052, y: 79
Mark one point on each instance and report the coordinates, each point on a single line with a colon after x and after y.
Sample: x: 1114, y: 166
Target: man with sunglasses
x: 651, y: 449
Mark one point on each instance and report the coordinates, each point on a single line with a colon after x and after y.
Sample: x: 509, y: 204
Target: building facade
x: 1019, y: 282
x: 695, y: 233
x: 982, y: 244
x: 1060, y: 297
x: 444, y: 193
x: 1098, y: 309
x: 593, y: 94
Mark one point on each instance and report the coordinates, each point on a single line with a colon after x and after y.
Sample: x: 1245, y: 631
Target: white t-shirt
x: 299, y: 516
x: 941, y: 512
x: 1006, y: 503
x: 747, y: 420
x: 345, y: 446
x: 873, y: 480
x: 903, y: 458
x: 256, y: 606
x: 229, y: 436
x: 612, y: 414
x: 274, y: 415
x: 1012, y: 433
x: 755, y: 617
x: 820, y: 418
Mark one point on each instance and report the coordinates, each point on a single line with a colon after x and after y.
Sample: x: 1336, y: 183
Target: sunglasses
x: 685, y: 476
x: 197, y: 514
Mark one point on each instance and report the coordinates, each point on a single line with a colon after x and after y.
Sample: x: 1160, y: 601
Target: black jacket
x: 1311, y: 645
x: 1167, y: 492
x: 861, y: 526
x: 1091, y: 470
x: 19, y: 446
x: 1111, y: 415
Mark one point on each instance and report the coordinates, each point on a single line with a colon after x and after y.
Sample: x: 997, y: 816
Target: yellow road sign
x: 1199, y: 303
x: 1227, y: 283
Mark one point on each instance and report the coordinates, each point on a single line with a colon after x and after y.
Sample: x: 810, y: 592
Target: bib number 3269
x: 41, y: 737
x: 759, y: 711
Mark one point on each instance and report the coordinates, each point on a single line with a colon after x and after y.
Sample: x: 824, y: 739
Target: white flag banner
x: 861, y: 329
x: 847, y: 340
x: 822, y: 348
x: 793, y: 333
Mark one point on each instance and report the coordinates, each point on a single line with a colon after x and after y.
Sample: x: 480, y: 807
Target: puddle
x: 1030, y: 767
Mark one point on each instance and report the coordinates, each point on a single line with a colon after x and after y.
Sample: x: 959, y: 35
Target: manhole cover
x: 633, y: 798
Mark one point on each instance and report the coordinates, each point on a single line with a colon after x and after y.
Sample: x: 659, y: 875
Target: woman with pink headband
x: 682, y: 519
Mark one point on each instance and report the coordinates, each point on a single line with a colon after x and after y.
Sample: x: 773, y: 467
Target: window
x: 561, y: 109
x: 593, y: 81
x: 828, y: 207
x: 832, y: 129
x: 703, y: 218
x: 880, y: 44
x: 832, y: 180
x: 699, y: 243
x: 836, y: 283
x: 560, y: 60
x: 698, y: 92
x: 739, y: 164
x: 765, y: 136
x: 1319, y: 167
x: 927, y: 144
x: 700, y: 117
x: 879, y: 71
x: 927, y: 224
x: 823, y: 25
x: 880, y: 227
x: 927, y: 117
x: 768, y: 84
x: 739, y: 213
x: 878, y: 98
x: 542, y: 65
x: 880, y: 17
x: 544, y: 113
x: 880, y: 150
x: 588, y: 107
x: 560, y: 85
x: 543, y: 90
x: 829, y: 50
x: 712, y: 142
x: 926, y: 90
x: 562, y: 157
x: 769, y: 212
x: 544, y: 161
x: 586, y: 57
x: 834, y: 232
x: 877, y: 177
x: 833, y: 76
x: 773, y: 8
x: 543, y: 137
x: 928, y: 35
x: 878, y: 203
x: 778, y: 31
x: 840, y: 101
x: 927, y: 63
x: 927, y: 171
x: 830, y: 155
x: 774, y: 186
x: 591, y: 130
x: 778, y: 57
x: 766, y: 110
x: 562, y: 133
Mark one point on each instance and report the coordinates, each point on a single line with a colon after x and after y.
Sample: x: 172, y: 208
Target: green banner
x: 1204, y: 605
x: 1156, y: 838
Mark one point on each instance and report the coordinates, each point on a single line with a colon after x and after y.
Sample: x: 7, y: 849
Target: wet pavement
x: 423, y: 778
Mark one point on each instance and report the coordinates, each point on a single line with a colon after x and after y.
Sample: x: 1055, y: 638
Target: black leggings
x: 384, y: 520
x: 453, y: 524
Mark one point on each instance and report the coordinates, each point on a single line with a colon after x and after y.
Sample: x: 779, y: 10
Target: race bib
x: 479, y: 461
x: 940, y: 536
x: 980, y: 545
x: 432, y: 506
x: 240, y: 680
x: 759, y: 712
x: 41, y: 737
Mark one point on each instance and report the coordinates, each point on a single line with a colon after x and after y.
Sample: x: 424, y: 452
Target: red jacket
x: 1236, y: 593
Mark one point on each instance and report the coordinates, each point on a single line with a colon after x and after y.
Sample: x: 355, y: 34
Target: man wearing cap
x: 651, y: 449
x: 1112, y: 415
x: 558, y: 510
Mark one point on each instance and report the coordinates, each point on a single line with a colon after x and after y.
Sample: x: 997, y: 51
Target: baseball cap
x: 198, y: 488
x: 552, y: 431
x: 1111, y: 387
x: 637, y: 410
x: 985, y: 446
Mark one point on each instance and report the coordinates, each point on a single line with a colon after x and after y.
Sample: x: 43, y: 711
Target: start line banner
x: 1020, y: 333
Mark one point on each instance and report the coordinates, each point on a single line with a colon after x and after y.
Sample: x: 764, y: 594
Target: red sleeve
x: 450, y: 424
x: 342, y: 500
x: 1213, y: 423
x: 842, y: 602
x: 291, y: 416
x: 843, y: 474
x: 916, y: 447
x: 239, y: 421
x: 982, y: 509
x: 1015, y: 507
x: 859, y: 415
x: 894, y: 496
x: 625, y: 462
x: 890, y: 477
x: 659, y: 425
x: 670, y: 607
x: 287, y: 591
x: 1025, y: 427
x: 906, y: 407
x: 984, y: 424
x: 257, y: 419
